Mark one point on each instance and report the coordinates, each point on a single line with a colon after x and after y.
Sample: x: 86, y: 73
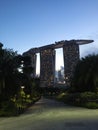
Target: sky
x: 25, y: 24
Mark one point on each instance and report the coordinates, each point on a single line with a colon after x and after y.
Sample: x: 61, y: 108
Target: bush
x: 61, y: 96
x: 71, y: 98
x: 87, y: 96
x: 91, y: 105
x: 8, y: 108
x: 86, y: 99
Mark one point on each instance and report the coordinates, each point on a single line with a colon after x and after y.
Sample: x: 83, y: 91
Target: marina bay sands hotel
x: 47, y: 60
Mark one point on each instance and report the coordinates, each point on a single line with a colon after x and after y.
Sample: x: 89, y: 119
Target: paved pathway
x: 52, y: 115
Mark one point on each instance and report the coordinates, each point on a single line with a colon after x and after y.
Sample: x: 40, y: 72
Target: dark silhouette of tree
x: 8, y: 73
x: 15, y: 71
x: 86, y: 75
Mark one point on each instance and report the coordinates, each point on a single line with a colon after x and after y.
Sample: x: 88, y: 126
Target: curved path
x: 48, y: 114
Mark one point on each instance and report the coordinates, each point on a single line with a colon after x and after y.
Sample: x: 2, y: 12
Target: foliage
x: 35, y: 89
x: 85, y: 99
x: 91, y: 105
x: 89, y: 96
x: 15, y: 71
x: 8, y: 108
x: 8, y: 73
x: 86, y: 75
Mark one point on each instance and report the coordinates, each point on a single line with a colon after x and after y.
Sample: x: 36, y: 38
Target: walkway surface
x: 48, y: 114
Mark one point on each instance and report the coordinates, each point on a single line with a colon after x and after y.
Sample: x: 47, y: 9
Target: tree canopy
x: 86, y: 75
x: 8, y: 72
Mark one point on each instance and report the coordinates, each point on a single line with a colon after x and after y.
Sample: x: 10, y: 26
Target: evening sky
x: 26, y: 24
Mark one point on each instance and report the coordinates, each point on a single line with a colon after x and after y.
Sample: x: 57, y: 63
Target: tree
x: 15, y: 71
x: 8, y: 73
x: 86, y: 75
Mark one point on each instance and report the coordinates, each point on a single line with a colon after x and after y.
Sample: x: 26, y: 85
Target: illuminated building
x: 47, y: 60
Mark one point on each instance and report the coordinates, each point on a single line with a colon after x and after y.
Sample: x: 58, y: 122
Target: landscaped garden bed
x: 84, y: 99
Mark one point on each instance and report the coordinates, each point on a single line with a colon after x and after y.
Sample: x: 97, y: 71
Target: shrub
x: 8, y: 108
x: 86, y: 99
x: 91, y: 105
x: 61, y: 96
x: 87, y: 96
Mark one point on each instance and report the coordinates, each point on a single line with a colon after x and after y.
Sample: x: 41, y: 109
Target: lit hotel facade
x: 47, y: 60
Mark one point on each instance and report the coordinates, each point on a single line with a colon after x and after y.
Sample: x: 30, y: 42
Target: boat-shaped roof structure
x: 58, y: 44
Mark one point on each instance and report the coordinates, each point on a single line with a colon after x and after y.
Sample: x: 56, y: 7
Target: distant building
x: 61, y: 74
x: 47, y: 61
